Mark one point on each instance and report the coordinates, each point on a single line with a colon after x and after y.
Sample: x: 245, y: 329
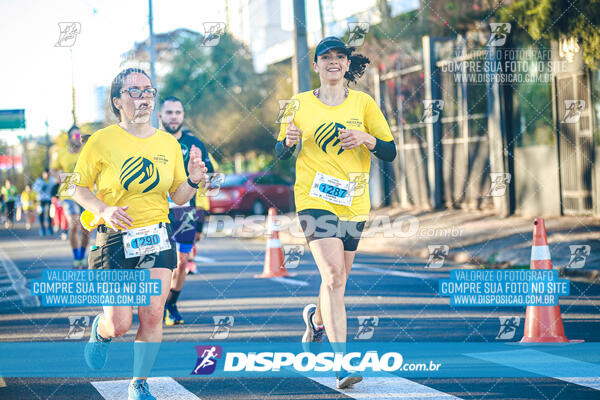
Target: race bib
x: 332, y: 189
x: 145, y: 240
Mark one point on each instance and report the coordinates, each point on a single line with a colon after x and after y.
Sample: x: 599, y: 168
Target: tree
x: 224, y: 99
x: 553, y: 19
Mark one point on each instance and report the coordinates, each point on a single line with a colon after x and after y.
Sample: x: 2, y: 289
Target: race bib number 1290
x: 145, y: 240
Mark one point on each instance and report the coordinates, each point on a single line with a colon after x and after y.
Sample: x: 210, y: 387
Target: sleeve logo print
x: 140, y: 169
x: 328, y: 132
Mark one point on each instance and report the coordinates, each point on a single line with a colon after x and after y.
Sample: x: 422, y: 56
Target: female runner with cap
x: 339, y: 129
x: 134, y: 166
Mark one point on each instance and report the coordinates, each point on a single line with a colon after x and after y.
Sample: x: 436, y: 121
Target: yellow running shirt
x: 321, y: 157
x: 131, y: 171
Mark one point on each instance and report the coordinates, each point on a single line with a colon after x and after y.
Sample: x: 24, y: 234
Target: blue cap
x: 331, y: 42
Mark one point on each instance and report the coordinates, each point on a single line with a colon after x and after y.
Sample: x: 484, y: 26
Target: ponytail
x: 358, y: 64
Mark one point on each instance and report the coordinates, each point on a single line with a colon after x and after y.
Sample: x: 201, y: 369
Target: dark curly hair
x: 358, y: 64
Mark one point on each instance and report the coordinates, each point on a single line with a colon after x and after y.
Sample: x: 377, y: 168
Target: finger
x: 124, y: 208
x: 116, y: 223
x: 124, y: 217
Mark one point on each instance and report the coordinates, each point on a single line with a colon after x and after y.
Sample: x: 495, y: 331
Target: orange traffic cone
x: 274, y: 265
x: 543, y: 324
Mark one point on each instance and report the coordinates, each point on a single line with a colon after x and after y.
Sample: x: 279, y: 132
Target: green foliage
x: 226, y: 102
x: 551, y: 19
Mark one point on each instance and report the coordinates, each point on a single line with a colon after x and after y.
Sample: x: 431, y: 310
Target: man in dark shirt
x: 183, y: 218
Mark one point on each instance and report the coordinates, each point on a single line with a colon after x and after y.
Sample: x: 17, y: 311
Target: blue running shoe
x: 172, y: 316
x: 96, y: 348
x: 139, y: 390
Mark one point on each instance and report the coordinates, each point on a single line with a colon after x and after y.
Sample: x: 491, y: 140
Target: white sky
x: 36, y: 75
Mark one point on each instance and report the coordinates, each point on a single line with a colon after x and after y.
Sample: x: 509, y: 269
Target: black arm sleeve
x: 385, y: 151
x: 282, y: 151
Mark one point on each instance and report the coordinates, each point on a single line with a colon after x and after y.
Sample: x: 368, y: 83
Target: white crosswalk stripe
x: 161, y: 388
x: 388, y: 388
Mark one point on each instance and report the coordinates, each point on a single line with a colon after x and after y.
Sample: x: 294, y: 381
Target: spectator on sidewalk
x: 9, y: 192
x: 43, y: 187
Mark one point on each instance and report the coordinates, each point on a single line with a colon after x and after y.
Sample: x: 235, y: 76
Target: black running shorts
x: 108, y: 253
x: 319, y: 224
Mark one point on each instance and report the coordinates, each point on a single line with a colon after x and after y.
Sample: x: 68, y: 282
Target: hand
x: 196, y: 168
x: 117, y: 217
x: 292, y: 133
x: 351, y: 138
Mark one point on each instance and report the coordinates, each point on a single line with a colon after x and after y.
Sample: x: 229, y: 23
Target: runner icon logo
x: 366, y: 327
x: 68, y: 33
x: 579, y: 253
x: 207, y: 359
x: 68, y: 180
x: 437, y: 255
x: 223, y: 324
x: 357, y: 31
x: 500, y: 181
x: 292, y: 255
x: 432, y: 109
x: 212, y: 33
x: 77, y: 325
x: 573, y: 109
x: 499, y: 33
x: 508, y: 327
x: 361, y: 180
x: 287, y: 108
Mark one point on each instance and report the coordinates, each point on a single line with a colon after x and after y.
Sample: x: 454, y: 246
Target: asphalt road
x: 399, y: 292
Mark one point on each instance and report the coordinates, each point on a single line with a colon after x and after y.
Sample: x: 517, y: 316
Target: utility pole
x: 47, y: 146
x: 152, y: 52
x: 322, y: 19
x: 300, y: 62
x: 73, y: 88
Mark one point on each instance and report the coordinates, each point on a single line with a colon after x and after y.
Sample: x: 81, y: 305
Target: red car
x: 252, y: 193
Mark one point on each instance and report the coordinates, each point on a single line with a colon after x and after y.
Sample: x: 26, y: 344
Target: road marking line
x: 545, y: 364
x: 201, y: 259
x: 18, y: 281
x: 289, y: 281
x: 390, y: 387
x: 397, y: 273
x: 161, y: 388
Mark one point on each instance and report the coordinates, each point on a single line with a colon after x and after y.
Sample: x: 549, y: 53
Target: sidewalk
x: 478, y: 239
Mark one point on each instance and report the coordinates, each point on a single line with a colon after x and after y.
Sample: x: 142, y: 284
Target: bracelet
x: 192, y: 184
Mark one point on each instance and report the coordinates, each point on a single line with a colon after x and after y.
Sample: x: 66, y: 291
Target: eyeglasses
x: 136, y: 93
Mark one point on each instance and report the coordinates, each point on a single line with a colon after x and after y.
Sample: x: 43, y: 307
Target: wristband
x: 192, y: 184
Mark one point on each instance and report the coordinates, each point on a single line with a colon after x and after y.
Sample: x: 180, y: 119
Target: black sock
x: 173, y: 296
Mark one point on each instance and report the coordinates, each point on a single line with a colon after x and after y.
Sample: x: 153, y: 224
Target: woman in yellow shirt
x: 339, y: 129
x: 134, y: 166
